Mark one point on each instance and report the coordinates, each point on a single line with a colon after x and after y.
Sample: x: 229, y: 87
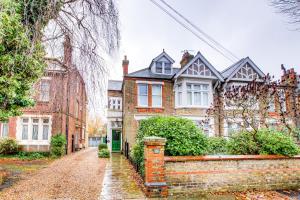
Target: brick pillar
x: 155, y: 167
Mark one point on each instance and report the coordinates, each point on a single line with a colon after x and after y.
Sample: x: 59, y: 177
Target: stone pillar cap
x: 154, y: 140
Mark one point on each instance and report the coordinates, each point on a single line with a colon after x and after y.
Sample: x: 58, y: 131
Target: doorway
x: 116, y: 141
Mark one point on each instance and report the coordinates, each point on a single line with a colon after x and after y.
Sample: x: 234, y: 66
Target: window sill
x: 150, y: 109
x: 204, y: 107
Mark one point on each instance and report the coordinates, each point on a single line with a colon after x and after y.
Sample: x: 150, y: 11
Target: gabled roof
x: 233, y: 69
x: 147, y: 73
x: 114, y: 85
x: 203, y: 59
x: 162, y: 55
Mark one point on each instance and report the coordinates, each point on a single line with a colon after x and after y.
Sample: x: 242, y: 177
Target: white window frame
x: 30, y: 141
x: 200, y: 91
x: 160, y: 95
x: 178, y: 98
x: 163, y: 63
x: 281, y: 94
x: 42, y: 96
x: 185, y: 104
x: 3, y: 124
x: 138, y: 91
x: 114, y: 103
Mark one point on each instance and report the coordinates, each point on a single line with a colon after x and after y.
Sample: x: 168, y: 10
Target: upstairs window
x: 143, y: 95
x: 159, y: 67
x: 282, y: 101
x: 156, y: 96
x: 179, y: 95
x: 44, y: 90
x: 163, y: 68
x: 114, y: 103
x: 197, y: 94
x: 168, y: 68
x: 271, y: 105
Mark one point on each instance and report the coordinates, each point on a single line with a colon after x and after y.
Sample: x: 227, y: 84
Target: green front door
x: 116, y: 140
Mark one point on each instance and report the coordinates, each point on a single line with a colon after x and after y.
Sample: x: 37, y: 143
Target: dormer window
x: 163, y: 68
x: 168, y: 68
x: 159, y: 67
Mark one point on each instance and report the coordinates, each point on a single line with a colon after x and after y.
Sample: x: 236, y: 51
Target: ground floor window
x: 205, y: 125
x: 4, y: 130
x: 35, y: 128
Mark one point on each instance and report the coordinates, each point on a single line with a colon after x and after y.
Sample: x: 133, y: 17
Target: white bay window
x: 34, y: 130
x: 197, y: 94
x: 4, y: 130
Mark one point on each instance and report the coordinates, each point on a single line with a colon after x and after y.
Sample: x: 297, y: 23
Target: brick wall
x: 212, y: 174
x: 201, y: 174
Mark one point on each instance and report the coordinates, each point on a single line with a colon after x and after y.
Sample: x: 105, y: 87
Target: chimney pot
x: 125, y: 64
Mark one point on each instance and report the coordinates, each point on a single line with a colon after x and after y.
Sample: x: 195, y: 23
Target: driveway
x: 76, y: 176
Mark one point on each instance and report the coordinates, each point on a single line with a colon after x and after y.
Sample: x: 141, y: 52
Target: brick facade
x: 131, y: 111
x: 65, y: 107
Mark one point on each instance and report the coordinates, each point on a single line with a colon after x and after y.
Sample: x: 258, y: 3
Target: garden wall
x: 230, y: 173
x: 165, y: 176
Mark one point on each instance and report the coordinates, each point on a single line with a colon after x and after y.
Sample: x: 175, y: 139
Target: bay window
x: 45, y: 128
x: 34, y: 129
x: 25, y: 122
x: 4, y: 130
x: 143, y: 95
x: 156, y: 95
x: 179, y: 95
x: 197, y: 94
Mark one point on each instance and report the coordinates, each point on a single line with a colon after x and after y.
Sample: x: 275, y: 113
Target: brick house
x: 188, y: 91
x: 60, y: 107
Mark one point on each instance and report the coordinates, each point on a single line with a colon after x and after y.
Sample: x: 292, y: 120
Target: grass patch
x: 28, y: 155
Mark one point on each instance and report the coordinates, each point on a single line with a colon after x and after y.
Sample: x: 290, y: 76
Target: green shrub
x: 57, y: 145
x: 276, y: 143
x: 242, y: 143
x: 183, y: 137
x: 264, y: 141
x: 102, y: 146
x: 217, y: 145
x: 104, y: 153
x: 8, y: 146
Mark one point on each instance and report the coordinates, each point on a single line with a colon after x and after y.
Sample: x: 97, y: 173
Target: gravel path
x: 77, y: 176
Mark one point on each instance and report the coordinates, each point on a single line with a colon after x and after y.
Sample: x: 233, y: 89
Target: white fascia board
x: 202, y: 58
x: 150, y: 82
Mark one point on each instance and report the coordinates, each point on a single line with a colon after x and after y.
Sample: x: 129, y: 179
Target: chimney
x: 186, y: 57
x: 67, y: 51
x: 125, y: 64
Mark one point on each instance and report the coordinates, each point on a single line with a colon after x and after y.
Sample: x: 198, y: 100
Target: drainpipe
x: 67, y: 111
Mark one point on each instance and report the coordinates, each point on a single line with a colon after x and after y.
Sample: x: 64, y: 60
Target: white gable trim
x: 161, y: 55
x: 201, y: 57
x: 252, y: 64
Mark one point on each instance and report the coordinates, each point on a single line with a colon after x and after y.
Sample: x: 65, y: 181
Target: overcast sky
x: 247, y: 28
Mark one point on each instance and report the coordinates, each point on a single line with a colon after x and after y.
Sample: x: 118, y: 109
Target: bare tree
x: 291, y: 8
x: 91, y: 25
x: 262, y: 103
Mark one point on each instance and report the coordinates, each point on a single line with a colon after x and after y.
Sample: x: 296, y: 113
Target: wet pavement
x: 119, y: 181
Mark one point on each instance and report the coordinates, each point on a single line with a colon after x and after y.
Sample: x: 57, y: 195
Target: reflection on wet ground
x: 118, y: 182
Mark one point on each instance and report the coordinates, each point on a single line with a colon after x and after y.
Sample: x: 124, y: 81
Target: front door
x: 116, y: 140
